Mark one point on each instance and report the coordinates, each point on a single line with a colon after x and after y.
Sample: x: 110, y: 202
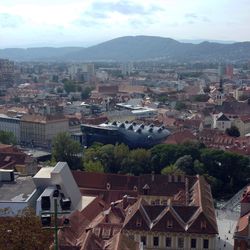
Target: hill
x: 136, y: 48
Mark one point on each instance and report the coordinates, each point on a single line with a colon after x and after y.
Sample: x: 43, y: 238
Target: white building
x: 10, y: 124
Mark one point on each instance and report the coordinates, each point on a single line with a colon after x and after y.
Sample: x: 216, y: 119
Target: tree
x: 59, y: 90
x: 86, y: 92
x: 206, y: 89
x: 69, y: 86
x: 233, y: 131
x: 185, y: 164
x: 137, y: 162
x: 7, y: 137
x: 201, y: 98
x: 180, y: 106
x: 66, y: 149
x: 24, y: 231
x: 171, y: 169
x: 121, y: 152
x: 94, y: 166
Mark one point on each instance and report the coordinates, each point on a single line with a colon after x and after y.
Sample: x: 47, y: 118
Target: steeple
x: 221, y: 85
x: 220, y: 75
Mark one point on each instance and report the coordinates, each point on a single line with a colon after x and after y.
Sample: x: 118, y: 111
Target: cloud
x: 10, y: 21
x: 191, y: 18
x: 124, y: 7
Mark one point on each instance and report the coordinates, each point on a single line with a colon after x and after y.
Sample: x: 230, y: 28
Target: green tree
x: 59, y: 90
x: 185, y: 164
x: 7, y: 137
x: 171, y: 169
x: 163, y: 155
x: 233, y: 131
x: 180, y: 106
x: 201, y: 98
x: 69, y: 86
x: 94, y: 166
x: 66, y: 149
x: 199, y: 167
x: 121, y: 152
x: 137, y: 162
x: 86, y: 92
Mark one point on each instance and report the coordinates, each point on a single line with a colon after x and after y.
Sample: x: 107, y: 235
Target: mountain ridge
x: 135, y: 48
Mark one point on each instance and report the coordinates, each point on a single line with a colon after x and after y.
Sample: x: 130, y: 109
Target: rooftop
x: 17, y: 191
x: 44, y: 172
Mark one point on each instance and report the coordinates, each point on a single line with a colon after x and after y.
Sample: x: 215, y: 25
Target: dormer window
x: 203, y: 224
x: 169, y: 224
x: 138, y: 222
x: 108, y: 186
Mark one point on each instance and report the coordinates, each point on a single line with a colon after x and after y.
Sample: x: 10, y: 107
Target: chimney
x: 153, y: 176
x: 124, y: 201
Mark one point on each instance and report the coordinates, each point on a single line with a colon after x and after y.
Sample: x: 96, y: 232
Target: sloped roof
x: 223, y: 118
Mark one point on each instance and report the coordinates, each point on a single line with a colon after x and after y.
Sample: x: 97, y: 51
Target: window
x: 106, y: 232
x: 156, y: 241
x: 203, y: 224
x: 168, y: 242
x: 180, y: 242
x: 205, y: 244
x: 144, y: 240
x: 193, y: 243
x: 169, y: 223
x: 96, y: 231
x: 131, y: 237
x: 138, y: 222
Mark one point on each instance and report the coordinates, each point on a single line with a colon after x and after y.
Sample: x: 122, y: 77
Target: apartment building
x: 39, y: 130
x: 10, y: 124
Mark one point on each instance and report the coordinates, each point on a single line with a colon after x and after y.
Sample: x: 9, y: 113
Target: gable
x: 137, y: 222
x: 201, y: 225
x: 162, y: 225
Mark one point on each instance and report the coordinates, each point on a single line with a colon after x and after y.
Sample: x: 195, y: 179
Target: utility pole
x: 55, y: 225
x: 55, y: 214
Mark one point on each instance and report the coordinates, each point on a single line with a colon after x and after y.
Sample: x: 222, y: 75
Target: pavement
x: 227, y: 221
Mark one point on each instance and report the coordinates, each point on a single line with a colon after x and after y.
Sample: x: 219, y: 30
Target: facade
x: 132, y: 134
x: 10, y: 124
x: 40, y: 130
x: 243, y: 124
x: 221, y: 122
x: 242, y: 233
x: 161, y: 212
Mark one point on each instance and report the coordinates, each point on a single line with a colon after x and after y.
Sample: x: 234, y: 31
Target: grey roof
x: 17, y: 191
x: 223, y: 118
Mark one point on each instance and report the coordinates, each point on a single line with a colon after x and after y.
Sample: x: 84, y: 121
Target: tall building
x: 230, y: 71
x: 6, y: 73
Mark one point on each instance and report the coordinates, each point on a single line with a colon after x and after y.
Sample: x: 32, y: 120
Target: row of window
x: 180, y: 242
x: 169, y: 223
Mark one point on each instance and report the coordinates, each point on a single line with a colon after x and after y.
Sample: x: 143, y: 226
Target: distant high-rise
x: 229, y: 71
x: 6, y: 73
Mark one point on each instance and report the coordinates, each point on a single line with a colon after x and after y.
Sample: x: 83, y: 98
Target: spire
x: 221, y: 85
x: 220, y: 73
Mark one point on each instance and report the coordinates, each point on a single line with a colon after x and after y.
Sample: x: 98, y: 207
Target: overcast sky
x: 25, y: 23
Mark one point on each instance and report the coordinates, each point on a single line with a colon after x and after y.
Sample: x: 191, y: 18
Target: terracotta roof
x: 121, y: 242
x: 180, y: 137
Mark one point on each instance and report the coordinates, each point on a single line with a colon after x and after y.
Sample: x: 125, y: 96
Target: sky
x: 36, y: 23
